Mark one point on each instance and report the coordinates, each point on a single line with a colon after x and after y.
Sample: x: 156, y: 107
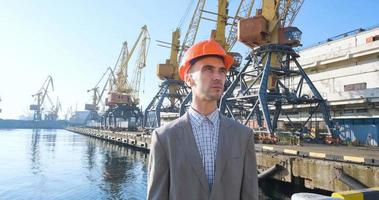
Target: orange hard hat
x: 203, y: 48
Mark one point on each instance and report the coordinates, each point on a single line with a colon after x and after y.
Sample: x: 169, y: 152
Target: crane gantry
x: 272, y: 79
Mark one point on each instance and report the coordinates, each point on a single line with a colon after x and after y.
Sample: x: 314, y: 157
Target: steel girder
x: 165, y: 101
x: 249, y: 96
x: 123, y: 111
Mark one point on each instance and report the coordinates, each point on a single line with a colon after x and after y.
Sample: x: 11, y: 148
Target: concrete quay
x: 137, y: 140
x: 327, y: 167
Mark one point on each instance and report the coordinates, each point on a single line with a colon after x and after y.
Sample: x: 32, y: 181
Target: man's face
x: 206, y: 78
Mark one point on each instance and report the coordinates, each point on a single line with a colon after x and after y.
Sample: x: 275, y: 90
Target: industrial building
x: 345, y: 70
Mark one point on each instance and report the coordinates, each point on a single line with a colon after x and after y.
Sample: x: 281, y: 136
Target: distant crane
x: 40, y: 98
x: 172, y: 90
x: 52, y: 114
x: 123, y: 99
x: 98, y: 96
x: 68, y: 113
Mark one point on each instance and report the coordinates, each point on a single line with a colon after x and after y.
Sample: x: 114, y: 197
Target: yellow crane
x: 140, y: 64
x: 97, y: 96
x: 123, y: 98
x: 169, y: 69
x: 126, y: 92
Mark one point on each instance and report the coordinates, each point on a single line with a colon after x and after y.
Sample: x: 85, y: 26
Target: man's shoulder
x: 237, y: 127
x: 171, y: 126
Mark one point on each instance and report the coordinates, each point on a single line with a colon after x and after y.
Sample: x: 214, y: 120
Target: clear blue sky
x: 75, y: 41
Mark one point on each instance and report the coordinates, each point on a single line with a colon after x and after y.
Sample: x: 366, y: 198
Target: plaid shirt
x: 206, y: 129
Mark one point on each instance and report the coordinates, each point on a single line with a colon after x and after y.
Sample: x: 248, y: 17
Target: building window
x: 355, y: 86
x: 372, y: 39
x: 363, y: 110
x: 348, y: 111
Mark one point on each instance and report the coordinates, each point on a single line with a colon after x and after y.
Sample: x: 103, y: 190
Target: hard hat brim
x: 228, y: 62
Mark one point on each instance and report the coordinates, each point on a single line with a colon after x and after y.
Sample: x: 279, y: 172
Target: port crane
x: 39, y: 98
x: 166, y: 103
x: 123, y: 98
x: 68, y: 113
x: 52, y: 114
x: 272, y: 83
x: 97, y: 96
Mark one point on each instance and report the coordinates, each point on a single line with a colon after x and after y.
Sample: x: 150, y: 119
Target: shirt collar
x: 197, y: 118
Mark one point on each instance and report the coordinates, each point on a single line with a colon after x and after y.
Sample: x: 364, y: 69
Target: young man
x: 203, y: 154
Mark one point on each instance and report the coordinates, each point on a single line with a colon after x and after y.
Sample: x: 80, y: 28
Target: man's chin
x: 214, y: 97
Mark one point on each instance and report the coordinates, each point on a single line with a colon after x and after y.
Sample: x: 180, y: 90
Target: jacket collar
x: 188, y: 141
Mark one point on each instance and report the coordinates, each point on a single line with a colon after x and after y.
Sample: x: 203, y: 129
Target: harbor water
x: 58, y: 164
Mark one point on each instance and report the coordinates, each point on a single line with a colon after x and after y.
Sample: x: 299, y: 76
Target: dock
x: 327, y: 167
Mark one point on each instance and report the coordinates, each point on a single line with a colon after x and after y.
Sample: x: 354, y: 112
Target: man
x: 203, y: 154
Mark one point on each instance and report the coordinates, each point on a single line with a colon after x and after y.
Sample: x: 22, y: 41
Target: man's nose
x: 217, y: 75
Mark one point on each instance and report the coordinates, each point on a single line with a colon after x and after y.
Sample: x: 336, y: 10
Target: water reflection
x: 123, y: 169
x: 50, y: 139
x: 57, y: 164
x: 34, y: 152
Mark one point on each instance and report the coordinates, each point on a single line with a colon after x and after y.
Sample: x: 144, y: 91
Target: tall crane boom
x: 122, y: 74
x: 141, y: 63
x: 243, y: 11
x: 122, y: 84
x: 193, y: 27
x: 222, y: 18
x: 123, y: 103
x: 124, y: 91
x: 288, y: 11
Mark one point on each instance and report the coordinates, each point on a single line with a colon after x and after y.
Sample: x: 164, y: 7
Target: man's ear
x: 188, y: 79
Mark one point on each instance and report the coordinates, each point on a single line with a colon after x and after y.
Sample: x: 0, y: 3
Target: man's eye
x: 208, y: 69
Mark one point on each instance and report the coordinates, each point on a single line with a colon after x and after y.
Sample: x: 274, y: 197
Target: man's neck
x: 204, y: 107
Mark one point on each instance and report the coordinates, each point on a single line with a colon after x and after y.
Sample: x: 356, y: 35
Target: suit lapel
x: 222, y: 150
x: 192, y: 151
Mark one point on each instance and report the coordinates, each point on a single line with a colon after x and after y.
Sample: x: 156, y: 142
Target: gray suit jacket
x: 175, y: 166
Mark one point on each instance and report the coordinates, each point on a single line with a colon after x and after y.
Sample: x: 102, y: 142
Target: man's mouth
x: 218, y: 86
